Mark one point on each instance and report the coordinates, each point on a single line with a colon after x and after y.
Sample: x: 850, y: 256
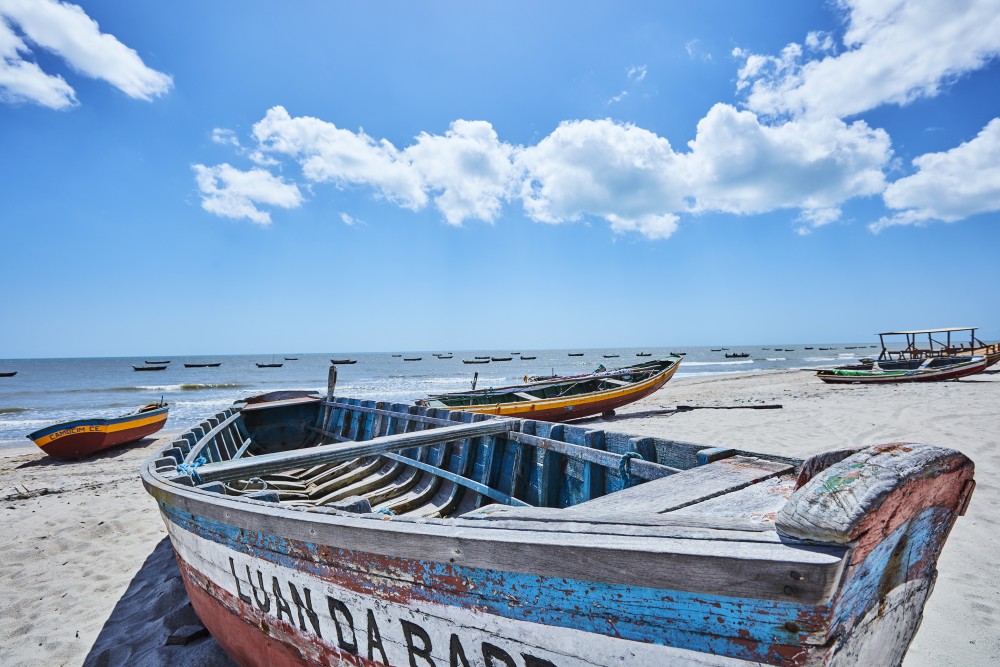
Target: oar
x: 224, y: 471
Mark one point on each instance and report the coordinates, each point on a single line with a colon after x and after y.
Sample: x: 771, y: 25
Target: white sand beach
x: 88, y: 577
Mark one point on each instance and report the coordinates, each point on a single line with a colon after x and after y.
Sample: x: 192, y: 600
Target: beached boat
x: 343, y: 361
x: 563, y: 398
x: 149, y: 368
x: 319, y: 530
x: 83, y: 437
x: 933, y: 369
x: 8, y: 374
x: 939, y: 343
x: 211, y: 365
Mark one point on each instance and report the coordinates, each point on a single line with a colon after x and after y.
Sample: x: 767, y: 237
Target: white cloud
x: 225, y: 137
x: 231, y: 193
x: 24, y: 81
x: 948, y: 186
x: 637, y: 73
x: 348, y: 220
x: 618, y: 98
x: 328, y: 153
x: 468, y: 166
x: 895, y: 51
x: 67, y: 31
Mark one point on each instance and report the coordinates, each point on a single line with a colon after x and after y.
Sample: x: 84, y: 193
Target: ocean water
x: 48, y: 391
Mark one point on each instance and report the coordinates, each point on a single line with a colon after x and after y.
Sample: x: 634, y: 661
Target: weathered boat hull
x: 952, y: 372
x: 721, y: 558
x: 81, y: 438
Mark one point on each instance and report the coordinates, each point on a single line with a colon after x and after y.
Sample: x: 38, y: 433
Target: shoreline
x: 90, y: 579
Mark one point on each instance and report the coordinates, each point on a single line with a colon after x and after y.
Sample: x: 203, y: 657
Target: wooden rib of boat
x: 149, y: 368
x: 563, y: 398
x: 934, y: 369
x: 475, y: 361
x: 215, y: 364
x: 501, y: 358
x: 322, y: 530
x: 8, y: 374
x: 343, y: 361
x: 83, y: 437
x: 157, y: 363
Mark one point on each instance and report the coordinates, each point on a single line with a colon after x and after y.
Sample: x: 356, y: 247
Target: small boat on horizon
x: 445, y: 356
x: 611, y: 356
x: 214, y: 364
x: 157, y: 363
x: 315, y: 530
x: 574, y: 354
x: 412, y: 358
x: 291, y: 358
x: 343, y: 361
x: 501, y: 358
x: 717, y: 350
x: 397, y: 355
x: 643, y: 354
x: 482, y: 357
x: 149, y: 368
x: 8, y: 374
x: 475, y: 361
x: 524, y: 358
x: 737, y: 355
x: 83, y: 437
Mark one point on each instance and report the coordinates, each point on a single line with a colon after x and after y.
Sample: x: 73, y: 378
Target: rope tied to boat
x: 623, y: 468
x: 384, y: 510
x: 192, y: 469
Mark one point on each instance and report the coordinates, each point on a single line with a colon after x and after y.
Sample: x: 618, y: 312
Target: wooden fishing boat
x: 317, y: 530
x: 272, y: 365
x: 157, y: 363
x: 83, y: 437
x: 934, y: 369
x: 500, y: 358
x: 8, y: 374
x: 562, y: 398
x: 212, y: 365
x: 643, y: 354
x: 611, y: 356
x: 149, y: 368
x: 574, y: 354
x: 291, y: 358
x: 397, y: 355
x: 737, y: 355
x: 343, y: 361
x: 527, y: 358
x: 475, y: 361
x: 482, y: 357
x: 940, y: 343
x: 412, y: 358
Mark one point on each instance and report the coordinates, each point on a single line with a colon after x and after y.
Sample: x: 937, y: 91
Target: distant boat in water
x: 412, y: 358
x: 524, y: 358
x: 397, y: 355
x: 343, y: 361
x: 83, y: 437
x: 500, y: 358
x: 677, y: 354
x: 574, y: 354
x: 486, y: 357
x: 149, y: 368
x: 157, y: 363
x: 717, y: 350
x: 212, y: 365
x: 611, y: 356
x: 738, y: 355
x: 8, y: 374
x: 475, y: 361
x: 259, y: 365
x: 643, y: 354
x: 291, y: 358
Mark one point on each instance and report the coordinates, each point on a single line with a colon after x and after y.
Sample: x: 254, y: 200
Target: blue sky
x: 208, y: 178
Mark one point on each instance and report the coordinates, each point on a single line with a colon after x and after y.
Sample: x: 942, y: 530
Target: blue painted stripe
x: 743, y: 628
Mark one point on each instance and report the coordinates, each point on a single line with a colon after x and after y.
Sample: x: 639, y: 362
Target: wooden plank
x: 527, y: 397
x: 459, y: 480
x: 647, y: 470
x: 686, y: 488
x: 276, y: 462
x: 390, y: 413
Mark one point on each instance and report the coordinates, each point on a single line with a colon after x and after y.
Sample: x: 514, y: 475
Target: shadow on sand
x: 154, y: 607
x: 109, y: 453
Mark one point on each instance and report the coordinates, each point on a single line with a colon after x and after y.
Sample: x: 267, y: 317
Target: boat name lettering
x: 75, y: 429
x: 358, y: 632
